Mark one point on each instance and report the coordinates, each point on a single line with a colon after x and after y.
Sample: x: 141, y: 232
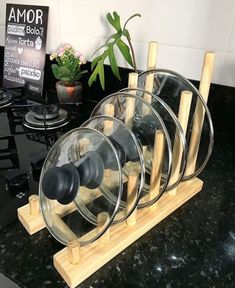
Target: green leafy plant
x: 122, y: 40
x: 68, y: 67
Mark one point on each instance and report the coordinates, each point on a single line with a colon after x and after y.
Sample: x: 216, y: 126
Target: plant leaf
x: 63, y: 71
x: 93, y: 76
x: 113, y: 62
x: 79, y: 75
x: 114, y: 21
x: 126, y: 33
x: 65, y: 79
x: 95, y: 60
x: 54, y: 68
x: 134, y: 15
x: 105, y: 44
x: 125, y: 50
x: 101, y: 74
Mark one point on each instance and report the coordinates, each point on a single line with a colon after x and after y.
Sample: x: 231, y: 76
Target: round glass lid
x: 169, y: 86
x: 175, y: 132
x: 131, y: 159
x: 72, y: 175
x: 151, y: 133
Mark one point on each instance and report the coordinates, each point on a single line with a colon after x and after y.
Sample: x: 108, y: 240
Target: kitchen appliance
x: 47, y: 117
x: 23, y: 150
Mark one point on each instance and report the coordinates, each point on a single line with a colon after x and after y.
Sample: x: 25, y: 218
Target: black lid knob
x: 61, y: 183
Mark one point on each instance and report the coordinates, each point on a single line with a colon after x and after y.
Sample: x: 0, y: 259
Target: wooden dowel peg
x: 132, y: 186
x: 133, y: 80
x: 84, y: 146
x: 183, y: 116
x: 199, y: 113
x: 130, y: 101
x: 34, y: 205
x: 149, y: 81
x: 157, y: 161
x: 108, y: 124
x: 102, y: 221
x: 73, y: 248
x: 152, y: 55
x: 56, y: 219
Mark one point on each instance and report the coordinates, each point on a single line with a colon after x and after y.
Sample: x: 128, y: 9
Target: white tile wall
x: 185, y: 29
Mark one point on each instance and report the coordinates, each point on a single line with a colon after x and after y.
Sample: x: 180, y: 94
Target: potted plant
x: 122, y: 41
x: 68, y: 71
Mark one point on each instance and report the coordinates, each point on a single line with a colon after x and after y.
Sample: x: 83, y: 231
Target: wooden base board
x: 32, y: 223
x: 35, y: 222
x: 97, y: 254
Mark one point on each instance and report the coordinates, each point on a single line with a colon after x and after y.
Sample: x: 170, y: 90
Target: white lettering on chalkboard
x: 28, y: 16
x: 16, y: 29
x: 26, y: 42
x: 30, y: 73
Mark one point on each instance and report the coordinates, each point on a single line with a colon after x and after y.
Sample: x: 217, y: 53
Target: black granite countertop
x: 193, y: 247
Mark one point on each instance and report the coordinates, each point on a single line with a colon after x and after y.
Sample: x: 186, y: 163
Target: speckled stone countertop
x: 193, y: 247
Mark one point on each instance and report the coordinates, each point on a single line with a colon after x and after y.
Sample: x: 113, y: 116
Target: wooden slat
x: 35, y: 222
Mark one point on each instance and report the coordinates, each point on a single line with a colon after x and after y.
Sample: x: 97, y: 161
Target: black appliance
x: 27, y: 131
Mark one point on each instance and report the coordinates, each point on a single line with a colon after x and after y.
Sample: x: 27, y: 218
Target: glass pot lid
x: 73, y: 172
x: 174, y: 129
x: 130, y: 156
x: 168, y: 85
x: 145, y: 122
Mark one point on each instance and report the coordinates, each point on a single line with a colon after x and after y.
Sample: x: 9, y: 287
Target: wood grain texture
x: 35, y: 222
x: 183, y: 116
x: 132, y: 188
x: 149, y: 81
x: 97, y: 254
x: 156, y: 172
x: 130, y: 101
x: 199, y: 114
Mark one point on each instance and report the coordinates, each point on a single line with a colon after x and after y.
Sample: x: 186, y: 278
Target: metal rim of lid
x: 167, y: 137
x: 199, y: 96
x: 43, y: 200
x: 178, y: 128
x: 141, y: 160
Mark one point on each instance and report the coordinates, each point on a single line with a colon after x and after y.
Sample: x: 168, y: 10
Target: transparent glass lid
x: 169, y: 85
x: 72, y: 175
x: 145, y: 123
x: 175, y: 131
x: 130, y: 156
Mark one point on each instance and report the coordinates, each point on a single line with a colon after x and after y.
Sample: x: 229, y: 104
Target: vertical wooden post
x: 108, y: 127
x: 34, y: 205
x: 73, y: 249
x: 199, y: 113
x: 158, y: 156
x: 183, y: 116
x: 83, y: 146
x: 102, y: 220
x: 151, y: 64
x: 132, y: 186
x: 130, y: 102
x: 108, y: 124
x: 62, y: 226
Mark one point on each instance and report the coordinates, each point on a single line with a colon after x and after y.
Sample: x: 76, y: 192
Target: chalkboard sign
x: 25, y: 47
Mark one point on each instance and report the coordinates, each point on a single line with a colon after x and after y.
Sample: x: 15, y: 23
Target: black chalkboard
x: 25, y: 47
